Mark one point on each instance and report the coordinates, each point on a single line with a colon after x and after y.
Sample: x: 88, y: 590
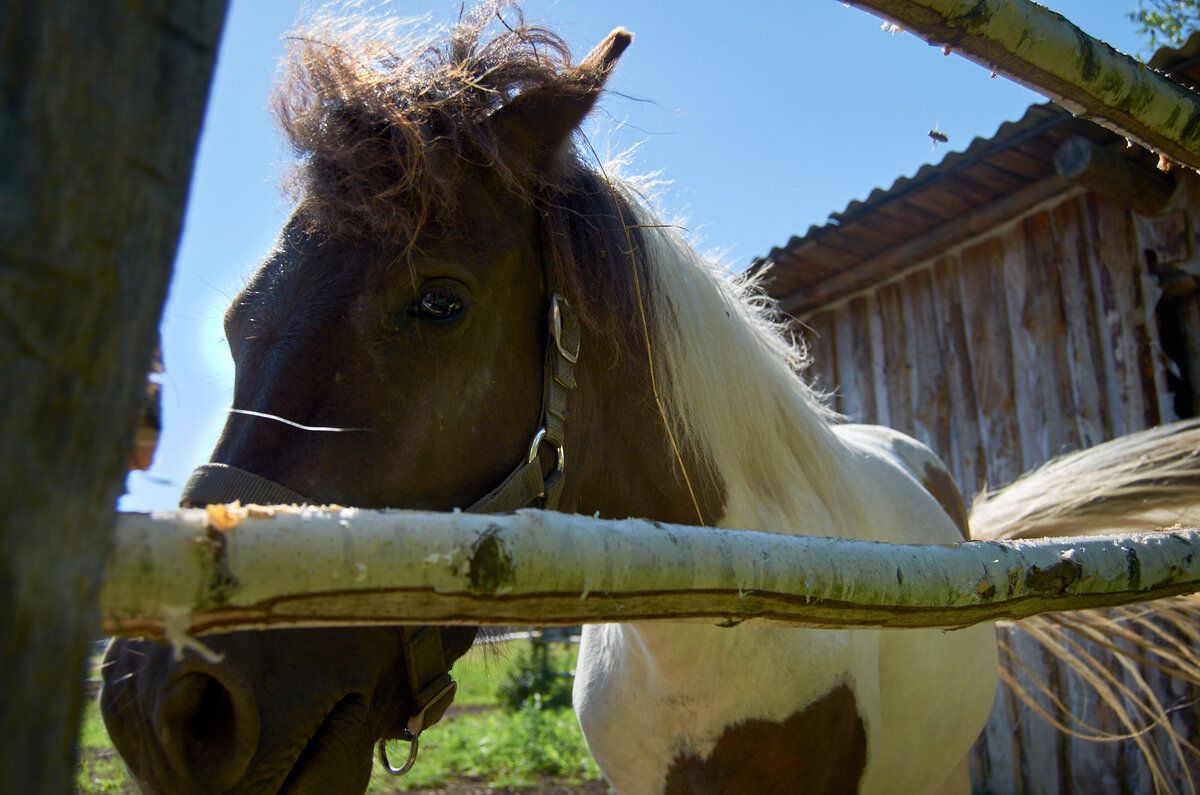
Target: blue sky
x: 764, y: 116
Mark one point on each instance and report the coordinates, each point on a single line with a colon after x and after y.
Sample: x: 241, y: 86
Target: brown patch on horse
x: 821, y: 749
x: 938, y: 482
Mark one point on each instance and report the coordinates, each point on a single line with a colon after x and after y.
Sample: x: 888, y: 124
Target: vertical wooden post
x: 102, y: 110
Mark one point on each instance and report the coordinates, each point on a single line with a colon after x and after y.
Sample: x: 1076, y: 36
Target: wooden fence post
x: 102, y: 111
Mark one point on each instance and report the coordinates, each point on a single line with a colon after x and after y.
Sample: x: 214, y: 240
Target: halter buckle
x: 556, y: 327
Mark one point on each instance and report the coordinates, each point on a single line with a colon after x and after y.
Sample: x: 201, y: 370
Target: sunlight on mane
x: 732, y: 375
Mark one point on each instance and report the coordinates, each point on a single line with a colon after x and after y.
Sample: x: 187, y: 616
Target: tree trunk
x: 223, y: 569
x: 102, y: 104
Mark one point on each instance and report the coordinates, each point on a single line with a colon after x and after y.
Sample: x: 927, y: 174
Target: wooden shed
x: 1005, y: 308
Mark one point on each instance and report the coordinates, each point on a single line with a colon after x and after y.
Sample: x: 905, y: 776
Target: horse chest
x: 692, y: 708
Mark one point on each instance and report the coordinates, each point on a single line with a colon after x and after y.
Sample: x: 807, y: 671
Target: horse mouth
x: 333, y: 759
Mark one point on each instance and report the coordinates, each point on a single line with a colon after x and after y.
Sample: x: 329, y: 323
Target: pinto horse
x: 492, y: 322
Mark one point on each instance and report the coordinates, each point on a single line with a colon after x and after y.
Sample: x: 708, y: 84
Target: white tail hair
x: 1137, y: 483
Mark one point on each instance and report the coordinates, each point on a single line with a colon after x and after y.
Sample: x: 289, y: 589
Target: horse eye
x: 437, y: 304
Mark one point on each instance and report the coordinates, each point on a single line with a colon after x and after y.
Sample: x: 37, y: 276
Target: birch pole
x: 228, y: 568
x: 1043, y: 51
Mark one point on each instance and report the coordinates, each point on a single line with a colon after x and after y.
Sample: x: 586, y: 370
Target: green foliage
x: 1166, y: 22
x: 538, y: 677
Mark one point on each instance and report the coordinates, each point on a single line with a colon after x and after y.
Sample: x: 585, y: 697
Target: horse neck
x: 727, y: 377
x: 622, y: 461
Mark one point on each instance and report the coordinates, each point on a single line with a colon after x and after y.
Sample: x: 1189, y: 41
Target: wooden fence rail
x: 196, y: 571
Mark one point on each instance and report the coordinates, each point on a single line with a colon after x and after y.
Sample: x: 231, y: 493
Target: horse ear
x: 539, y: 121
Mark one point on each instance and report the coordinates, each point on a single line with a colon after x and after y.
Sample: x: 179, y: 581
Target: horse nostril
x: 208, y: 728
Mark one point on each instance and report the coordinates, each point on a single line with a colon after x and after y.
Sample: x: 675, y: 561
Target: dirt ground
x: 481, y: 788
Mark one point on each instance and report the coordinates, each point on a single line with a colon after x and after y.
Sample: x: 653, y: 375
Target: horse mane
x: 731, y: 376
x: 728, y: 371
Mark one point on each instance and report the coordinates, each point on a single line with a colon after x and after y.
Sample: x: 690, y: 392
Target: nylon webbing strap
x: 213, y: 484
x: 523, y: 485
x: 431, y: 685
x: 560, y: 380
x: 527, y: 483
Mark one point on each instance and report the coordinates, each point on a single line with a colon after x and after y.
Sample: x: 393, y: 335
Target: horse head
x: 390, y: 352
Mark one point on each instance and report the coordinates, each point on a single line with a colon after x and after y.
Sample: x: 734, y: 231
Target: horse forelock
x: 386, y: 130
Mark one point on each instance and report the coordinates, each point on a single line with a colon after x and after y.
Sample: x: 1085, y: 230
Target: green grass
x: 498, y: 747
x: 479, y: 674
x: 520, y: 749
x: 100, y: 769
x: 479, y: 741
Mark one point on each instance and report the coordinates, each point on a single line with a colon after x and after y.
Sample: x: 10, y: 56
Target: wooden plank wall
x: 1034, y: 341
x: 1039, y: 338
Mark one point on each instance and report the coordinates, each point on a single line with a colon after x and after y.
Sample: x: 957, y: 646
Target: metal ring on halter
x: 536, y: 443
x: 561, y: 454
x: 408, y: 763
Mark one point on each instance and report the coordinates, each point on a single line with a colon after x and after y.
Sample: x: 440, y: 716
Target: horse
x: 490, y: 320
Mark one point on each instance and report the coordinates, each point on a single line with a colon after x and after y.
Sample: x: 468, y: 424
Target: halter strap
x: 212, y: 484
x: 527, y: 483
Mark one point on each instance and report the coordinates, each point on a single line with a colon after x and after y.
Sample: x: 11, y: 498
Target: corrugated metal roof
x: 946, y: 203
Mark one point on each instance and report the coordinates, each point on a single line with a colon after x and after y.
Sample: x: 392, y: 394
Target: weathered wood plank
x: 820, y: 336
x: 854, y: 364
x: 1028, y: 370
x: 1189, y: 321
x: 897, y: 361
x: 996, y: 756
x: 1042, y: 745
x: 1091, y: 418
x: 989, y: 348
x: 966, y: 450
x: 1120, y: 309
x: 847, y: 368
x: 1043, y: 317
x: 878, y: 360
x: 931, y: 409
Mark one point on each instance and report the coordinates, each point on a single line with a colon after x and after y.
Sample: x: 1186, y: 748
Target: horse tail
x: 1127, y: 674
